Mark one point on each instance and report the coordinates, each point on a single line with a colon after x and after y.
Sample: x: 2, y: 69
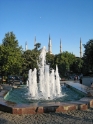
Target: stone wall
x: 87, y: 80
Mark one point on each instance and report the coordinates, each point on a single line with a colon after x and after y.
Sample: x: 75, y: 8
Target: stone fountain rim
x: 14, y: 108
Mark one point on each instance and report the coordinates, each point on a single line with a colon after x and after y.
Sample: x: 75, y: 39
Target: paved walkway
x: 72, y: 117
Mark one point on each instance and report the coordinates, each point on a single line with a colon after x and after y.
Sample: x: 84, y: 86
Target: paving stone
x: 72, y: 117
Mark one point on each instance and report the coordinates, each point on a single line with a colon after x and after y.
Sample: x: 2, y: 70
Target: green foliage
x: 77, y: 65
x: 14, y: 61
x: 88, y: 56
x: 10, y: 55
x: 30, y: 60
x: 50, y: 59
x: 64, y: 61
x: 37, y: 46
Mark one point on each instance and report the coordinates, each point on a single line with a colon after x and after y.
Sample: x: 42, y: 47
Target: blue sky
x: 65, y: 19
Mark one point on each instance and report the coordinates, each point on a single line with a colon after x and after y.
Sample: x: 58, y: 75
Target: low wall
x: 87, y: 80
x: 78, y: 86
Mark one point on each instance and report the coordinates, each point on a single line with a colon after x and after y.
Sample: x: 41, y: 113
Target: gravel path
x: 72, y: 117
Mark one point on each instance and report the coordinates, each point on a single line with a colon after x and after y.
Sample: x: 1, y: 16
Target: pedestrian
x: 80, y: 80
x: 12, y: 81
x: 21, y: 82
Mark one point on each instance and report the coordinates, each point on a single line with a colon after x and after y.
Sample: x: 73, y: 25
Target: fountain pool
x: 20, y: 96
x: 48, y: 88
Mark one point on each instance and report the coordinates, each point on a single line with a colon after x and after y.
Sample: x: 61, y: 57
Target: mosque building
x: 80, y: 48
x: 50, y: 46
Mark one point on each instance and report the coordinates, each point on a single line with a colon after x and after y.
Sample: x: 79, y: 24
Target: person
x: 75, y: 78
x: 80, y: 80
x: 12, y: 80
x: 20, y: 82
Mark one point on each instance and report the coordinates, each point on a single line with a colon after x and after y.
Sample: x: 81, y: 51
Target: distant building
x: 60, y: 46
x: 26, y: 47
x: 50, y: 46
x: 80, y: 48
x: 35, y: 42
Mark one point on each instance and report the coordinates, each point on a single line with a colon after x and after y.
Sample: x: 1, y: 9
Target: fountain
x: 49, y: 83
x: 47, y: 89
x: 43, y: 96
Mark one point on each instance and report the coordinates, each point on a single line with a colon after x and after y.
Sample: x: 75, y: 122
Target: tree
x: 10, y: 55
x: 30, y: 59
x: 50, y: 59
x: 37, y: 45
x: 88, y: 56
x: 64, y: 62
x: 77, y: 66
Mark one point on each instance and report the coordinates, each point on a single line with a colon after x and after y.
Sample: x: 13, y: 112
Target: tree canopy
x: 88, y: 55
x: 11, y: 55
x: 50, y: 59
x: 13, y: 60
x: 30, y: 59
x: 37, y: 46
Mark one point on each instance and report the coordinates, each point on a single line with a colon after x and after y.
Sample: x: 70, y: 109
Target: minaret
x: 49, y: 46
x: 34, y: 41
x: 26, y: 48
x: 80, y: 48
x: 60, y: 46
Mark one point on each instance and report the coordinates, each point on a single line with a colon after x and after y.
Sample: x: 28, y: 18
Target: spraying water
x: 49, y: 83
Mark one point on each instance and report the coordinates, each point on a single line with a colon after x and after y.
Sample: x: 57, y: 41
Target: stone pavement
x: 72, y: 117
